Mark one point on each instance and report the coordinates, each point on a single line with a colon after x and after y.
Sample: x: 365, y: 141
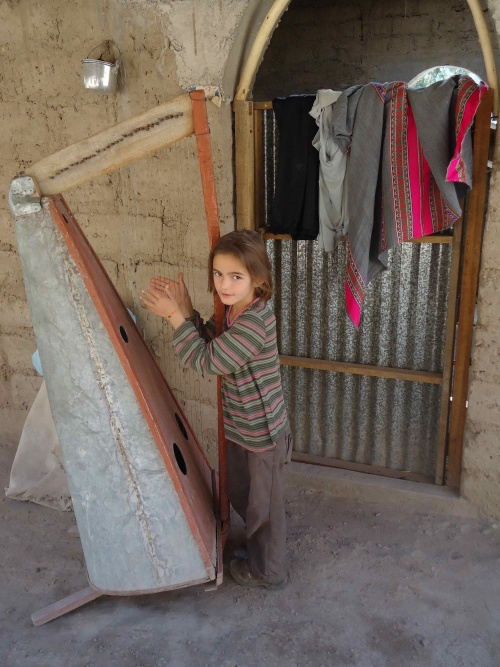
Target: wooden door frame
x: 464, y: 274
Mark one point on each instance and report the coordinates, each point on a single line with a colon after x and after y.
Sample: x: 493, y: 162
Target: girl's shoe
x: 240, y: 553
x: 240, y: 572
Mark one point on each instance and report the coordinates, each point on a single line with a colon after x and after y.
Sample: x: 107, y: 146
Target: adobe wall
x: 143, y: 220
x: 481, y: 462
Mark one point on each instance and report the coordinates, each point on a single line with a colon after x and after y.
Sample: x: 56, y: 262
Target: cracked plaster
x: 200, y: 34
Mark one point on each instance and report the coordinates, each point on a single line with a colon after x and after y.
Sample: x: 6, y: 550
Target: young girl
x: 255, y: 419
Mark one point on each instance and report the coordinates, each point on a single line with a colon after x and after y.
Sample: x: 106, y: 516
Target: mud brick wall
x: 481, y: 462
x: 145, y: 219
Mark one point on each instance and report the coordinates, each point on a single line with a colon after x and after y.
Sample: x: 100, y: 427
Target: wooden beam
x: 207, y: 173
x: 449, y: 348
x: 262, y: 106
x: 434, y: 238
x: 65, y: 605
x: 114, y: 147
x: 268, y: 236
x: 202, y: 132
x: 360, y: 467
x: 362, y: 369
x: 468, y: 289
x: 259, y: 167
x: 245, y: 167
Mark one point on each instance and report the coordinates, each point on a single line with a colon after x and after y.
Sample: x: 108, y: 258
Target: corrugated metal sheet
x: 403, y: 317
x: 375, y: 421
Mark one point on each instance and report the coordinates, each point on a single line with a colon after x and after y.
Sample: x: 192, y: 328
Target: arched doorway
x: 250, y: 130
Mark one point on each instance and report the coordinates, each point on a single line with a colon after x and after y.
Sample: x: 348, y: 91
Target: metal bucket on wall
x: 99, y: 74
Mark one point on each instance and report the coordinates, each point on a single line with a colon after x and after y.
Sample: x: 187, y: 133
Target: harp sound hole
x: 65, y: 219
x: 180, y: 460
x: 123, y: 334
x: 181, y: 426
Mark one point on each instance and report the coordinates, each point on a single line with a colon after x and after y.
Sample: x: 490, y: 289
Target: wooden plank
x: 263, y: 106
x: 207, y: 173
x: 362, y: 369
x: 360, y: 467
x: 244, y: 165
x: 276, y: 237
x: 434, y: 238
x: 220, y: 538
x: 114, y: 147
x: 449, y: 347
x: 422, y: 239
x: 259, y: 167
x: 468, y: 289
x: 244, y: 160
x: 65, y: 605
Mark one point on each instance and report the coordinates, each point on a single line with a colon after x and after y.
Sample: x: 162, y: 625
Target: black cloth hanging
x: 296, y: 199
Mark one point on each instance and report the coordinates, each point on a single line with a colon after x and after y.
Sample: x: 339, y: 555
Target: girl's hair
x: 250, y: 249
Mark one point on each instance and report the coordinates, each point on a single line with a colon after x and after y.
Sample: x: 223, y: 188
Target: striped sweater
x: 246, y: 355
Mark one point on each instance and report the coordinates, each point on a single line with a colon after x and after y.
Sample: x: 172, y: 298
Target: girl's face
x: 233, y: 283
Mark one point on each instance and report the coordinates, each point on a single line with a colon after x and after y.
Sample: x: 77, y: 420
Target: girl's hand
x: 160, y: 302
x: 177, y: 290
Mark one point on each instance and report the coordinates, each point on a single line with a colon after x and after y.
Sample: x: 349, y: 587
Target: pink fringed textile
x: 409, y: 203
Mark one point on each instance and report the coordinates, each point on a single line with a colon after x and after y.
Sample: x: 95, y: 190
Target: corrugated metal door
x: 377, y: 421
x: 375, y: 404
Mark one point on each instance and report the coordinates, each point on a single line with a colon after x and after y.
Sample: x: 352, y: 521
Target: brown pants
x: 256, y: 490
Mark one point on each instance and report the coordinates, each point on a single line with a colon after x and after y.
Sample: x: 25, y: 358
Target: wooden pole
x: 329, y: 462
x: 362, y: 369
x: 64, y: 606
x: 245, y: 165
x: 449, y: 348
x: 468, y: 289
x: 202, y: 133
x: 259, y: 182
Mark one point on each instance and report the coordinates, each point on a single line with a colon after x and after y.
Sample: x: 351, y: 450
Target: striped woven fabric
x: 246, y: 355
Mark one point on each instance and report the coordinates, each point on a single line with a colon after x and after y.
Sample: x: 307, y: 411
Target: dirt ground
x: 372, y: 584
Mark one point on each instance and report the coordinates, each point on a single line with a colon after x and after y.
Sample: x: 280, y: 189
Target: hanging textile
x: 405, y: 169
x: 362, y: 172
x: 333, y: 218
x: 295, y: 206
x: 343, y: 114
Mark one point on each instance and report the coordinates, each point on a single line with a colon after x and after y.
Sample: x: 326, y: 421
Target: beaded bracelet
x: 172, y: 313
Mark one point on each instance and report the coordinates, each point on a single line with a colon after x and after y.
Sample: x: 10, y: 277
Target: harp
x: 151, y: 512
